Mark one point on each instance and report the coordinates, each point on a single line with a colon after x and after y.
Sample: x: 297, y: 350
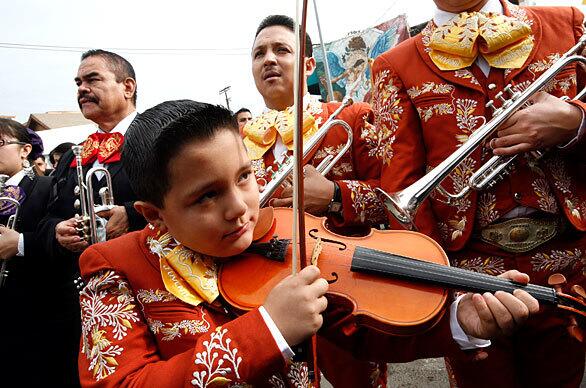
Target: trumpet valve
x: 513, y: 93
x: 77, y: 204
x: 76, y: 190
x: 490, y: 105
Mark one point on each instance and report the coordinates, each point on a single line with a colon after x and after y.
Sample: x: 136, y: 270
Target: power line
x: 155, y: 51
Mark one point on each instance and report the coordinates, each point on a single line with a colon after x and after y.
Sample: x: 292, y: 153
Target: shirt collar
x: 123, y: 125
x: 441, y: 17
x: 16, y: 178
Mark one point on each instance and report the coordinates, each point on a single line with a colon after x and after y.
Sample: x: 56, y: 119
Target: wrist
x: 335, y: 205
x: 573, y: 122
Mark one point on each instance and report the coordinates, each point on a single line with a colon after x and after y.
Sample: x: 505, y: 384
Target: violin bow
x: 299, y: 246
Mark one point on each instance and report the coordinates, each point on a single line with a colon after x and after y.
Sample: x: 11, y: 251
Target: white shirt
x: 15, y: 181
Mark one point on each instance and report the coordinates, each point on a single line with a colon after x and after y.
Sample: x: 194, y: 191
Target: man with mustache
x: 106, y: 93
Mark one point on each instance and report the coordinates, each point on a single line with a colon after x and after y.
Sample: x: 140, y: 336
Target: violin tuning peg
x: 557, y: 280
x: 579, y: 290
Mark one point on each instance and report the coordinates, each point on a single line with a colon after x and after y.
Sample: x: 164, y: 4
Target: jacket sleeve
x: 404, y: 161
x: 119, y: 349
x: 360, y: 203
x: 46, y: 228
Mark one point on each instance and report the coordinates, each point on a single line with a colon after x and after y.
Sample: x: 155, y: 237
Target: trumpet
x: 10, y: 224
x: 403, y: 205
x: 283, y: 174
x: 88, y: 227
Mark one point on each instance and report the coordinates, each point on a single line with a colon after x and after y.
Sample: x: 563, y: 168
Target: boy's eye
x: 245, y: 175
x: 258, y: 54
x: 206, y: 197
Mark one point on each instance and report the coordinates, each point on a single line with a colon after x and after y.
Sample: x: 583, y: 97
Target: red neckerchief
x: 105, y: 147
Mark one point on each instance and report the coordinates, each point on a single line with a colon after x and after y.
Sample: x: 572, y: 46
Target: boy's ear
x: 151, y: 213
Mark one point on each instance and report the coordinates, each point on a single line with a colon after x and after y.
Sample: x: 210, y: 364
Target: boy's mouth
x: 236, y: 233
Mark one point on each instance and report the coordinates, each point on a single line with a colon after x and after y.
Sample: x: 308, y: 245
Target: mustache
x: 87, y: 97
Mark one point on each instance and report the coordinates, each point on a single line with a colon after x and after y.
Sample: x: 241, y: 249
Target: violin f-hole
x: 312, y: 234
x: 335, y: 279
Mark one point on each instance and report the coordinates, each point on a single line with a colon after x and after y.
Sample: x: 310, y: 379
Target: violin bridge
x: 317, y: 248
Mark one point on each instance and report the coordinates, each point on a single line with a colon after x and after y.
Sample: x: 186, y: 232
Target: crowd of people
x: 145, y: 307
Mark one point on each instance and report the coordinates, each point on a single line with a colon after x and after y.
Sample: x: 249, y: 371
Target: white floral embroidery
x: 546, y: 200
x: 173, y: 330
x: 466, y: 74
x: 365, y: 202
x: 298, y: 375
x: 520, y: 14
x: 387, y: 109
x: 439, y: 109
x: 558, y: 260
x: 106, y: 308
x: 153, y: 296
x: 491, y: 265
x: 561, y: 178
x: 543, y: 64
x: 486, y: 213
x: 277, y: 382
x: 429, y: 87
x: 218, y: 358
x: 465, y: 118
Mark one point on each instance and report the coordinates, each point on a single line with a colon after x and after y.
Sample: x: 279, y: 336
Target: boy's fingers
x: 309, y: 274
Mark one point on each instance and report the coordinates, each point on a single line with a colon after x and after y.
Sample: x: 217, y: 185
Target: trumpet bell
x: 401, y: 207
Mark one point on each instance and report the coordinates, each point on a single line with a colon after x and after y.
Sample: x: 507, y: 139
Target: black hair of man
x: 121, y: 68
x: 241, y: 110
x: 11, y: 128
x: 59, y: 150
x: 285, y: 21
x: 159, y: 134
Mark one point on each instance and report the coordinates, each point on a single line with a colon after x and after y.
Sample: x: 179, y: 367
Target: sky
x: 195, y: 48
x: 179, y: 48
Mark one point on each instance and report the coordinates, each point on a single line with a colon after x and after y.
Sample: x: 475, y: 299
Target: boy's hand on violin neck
x: 490, y: 315
x: 319, y: 191
x: 296, y: 304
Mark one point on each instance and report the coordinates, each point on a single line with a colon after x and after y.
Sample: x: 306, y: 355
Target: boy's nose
x: 235, y: 206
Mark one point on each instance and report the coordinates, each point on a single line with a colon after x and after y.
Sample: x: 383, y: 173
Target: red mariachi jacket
x: 357, y: 172
x: 135, y: 332
x: 428, y: 113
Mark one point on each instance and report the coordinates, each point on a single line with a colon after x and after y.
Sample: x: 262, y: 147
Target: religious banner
x: 350, y: 59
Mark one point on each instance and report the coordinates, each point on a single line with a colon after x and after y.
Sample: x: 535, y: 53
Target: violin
x: 394, y: 281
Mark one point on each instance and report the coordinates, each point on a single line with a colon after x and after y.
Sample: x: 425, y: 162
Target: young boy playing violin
x: 151, y: 310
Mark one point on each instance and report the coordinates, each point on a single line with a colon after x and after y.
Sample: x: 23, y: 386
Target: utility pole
x: 225, y: 92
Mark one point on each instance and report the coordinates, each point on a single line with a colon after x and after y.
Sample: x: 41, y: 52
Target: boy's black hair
x: 285, y: 21
x: 14, y: 129
x: 159, y: 134
x: 121, y: 68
